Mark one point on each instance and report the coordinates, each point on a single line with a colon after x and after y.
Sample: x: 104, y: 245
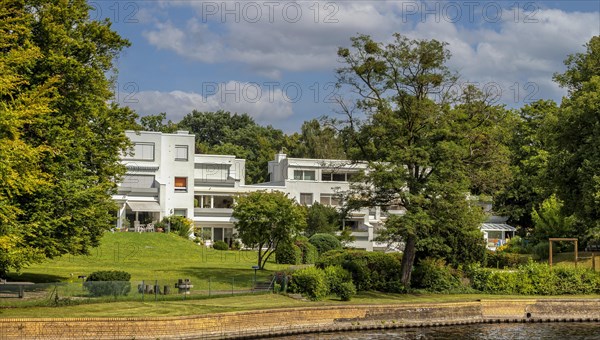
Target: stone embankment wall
x: 253, y: 324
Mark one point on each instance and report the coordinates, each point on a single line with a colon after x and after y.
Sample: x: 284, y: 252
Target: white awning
x: 144, y: 206
x: 214, y: 219
x: 496, y: 227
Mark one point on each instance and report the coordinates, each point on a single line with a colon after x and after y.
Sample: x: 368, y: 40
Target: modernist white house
x: 164, y: 178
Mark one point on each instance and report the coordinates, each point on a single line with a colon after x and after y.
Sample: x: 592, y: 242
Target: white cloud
x: 508, y: 52
x: 264, y: 103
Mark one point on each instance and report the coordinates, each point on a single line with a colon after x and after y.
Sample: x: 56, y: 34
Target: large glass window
x: 181, y: 152
x: 181, y: 184
x: 304, y: 175
x: 223, y: 202
x: 141, y: 152
x: 306, y: 199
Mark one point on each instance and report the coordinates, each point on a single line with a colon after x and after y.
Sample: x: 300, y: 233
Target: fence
x: 67, y: 293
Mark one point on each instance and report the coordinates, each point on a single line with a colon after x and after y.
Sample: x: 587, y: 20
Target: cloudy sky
x: 276, y: 60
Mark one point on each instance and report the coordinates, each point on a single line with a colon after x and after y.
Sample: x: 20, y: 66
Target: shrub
x: 310, y: 282
x: 179, y: 225
x: 220, y: 245
x: 308, y: 251
x: 435, y: 276
x: 325, y: 242
x: 499, y: 259
x: 288, y: 253
x: 340, y: 281
x: 106, y: 283
x: 369, y: 270
x: 236, y: 245
x: 534, y: 278
x: 541, y: 251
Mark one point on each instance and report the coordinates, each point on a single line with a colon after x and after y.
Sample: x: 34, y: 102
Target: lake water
x: 565, y: 331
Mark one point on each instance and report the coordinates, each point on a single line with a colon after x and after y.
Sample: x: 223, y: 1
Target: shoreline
x: 304, y: 320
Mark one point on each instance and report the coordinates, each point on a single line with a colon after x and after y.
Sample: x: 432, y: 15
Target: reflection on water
x: 566, y: 331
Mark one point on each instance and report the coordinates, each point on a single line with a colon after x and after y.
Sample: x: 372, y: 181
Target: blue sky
x: 276, y: 60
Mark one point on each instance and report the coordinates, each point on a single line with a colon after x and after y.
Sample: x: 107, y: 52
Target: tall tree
x: 84, y: 135
x: 266, y: 220
x: 424, y: 154
x: 531, y: 138
x: 156, y: 123
x: 574, y: 164
x: 317, y: 141
x: 322, y: 219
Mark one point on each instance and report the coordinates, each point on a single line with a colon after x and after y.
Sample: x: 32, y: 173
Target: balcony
x: 127, y: 190
x: 213, y: 212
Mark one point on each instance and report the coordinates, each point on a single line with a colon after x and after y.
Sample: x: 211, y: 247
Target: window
x: 304, y: 175
x: 141, y: 152
x: 306, y: 199
x: 330, y: 199
x: 336, y: 176
x: 223, y: 202
x: 181, y: 184
x: 180, y: 212
x: 138, y: 181
x: 181, y: 152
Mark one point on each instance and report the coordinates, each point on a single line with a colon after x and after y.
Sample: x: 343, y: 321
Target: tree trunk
x: 408, y: 259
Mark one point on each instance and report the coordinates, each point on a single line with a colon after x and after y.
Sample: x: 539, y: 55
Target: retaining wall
x: 252, y: 324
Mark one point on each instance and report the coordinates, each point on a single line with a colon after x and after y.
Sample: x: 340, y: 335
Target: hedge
x: 288, y: 253
x: 106, y: 283
x: 325, y: 242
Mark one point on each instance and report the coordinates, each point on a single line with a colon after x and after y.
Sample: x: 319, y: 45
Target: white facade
x: 163, y: 179
x: 159, y: 179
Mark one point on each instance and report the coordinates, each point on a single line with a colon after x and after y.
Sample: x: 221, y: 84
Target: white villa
x: 164, y: 177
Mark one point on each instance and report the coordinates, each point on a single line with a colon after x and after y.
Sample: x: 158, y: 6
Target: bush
x: 435, y: 276
x: 499, y: 259
x: 340, y: 282
x: 325, y: 242
x: 369, y: 270
x: 106, y: 283
x: 288, y: 253
x: 310, y: 282
x: 179, y: 225
x: 308, y: 251
x: 220, y: 245
x: 541, y: 251
x: 536, y: 279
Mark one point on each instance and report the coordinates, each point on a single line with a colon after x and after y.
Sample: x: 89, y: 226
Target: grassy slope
x: 153, y: 256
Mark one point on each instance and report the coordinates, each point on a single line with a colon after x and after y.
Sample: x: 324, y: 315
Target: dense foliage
x: 265, y: 220
x: 220, y: 245
x: 316, y: 283
x: 288, y: 253
x: 325, y: 242
x: 369, y: 270
x: 425, y: 151
x: 60, y: 137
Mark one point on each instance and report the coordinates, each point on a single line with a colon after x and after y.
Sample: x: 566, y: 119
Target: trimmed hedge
x: 535, y: 279
x: 325, y: 242
x: 369, y: 270
x: 109, y: 282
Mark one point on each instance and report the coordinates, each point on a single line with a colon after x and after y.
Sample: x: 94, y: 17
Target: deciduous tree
x: 425, y: 154
x: 267, y: 219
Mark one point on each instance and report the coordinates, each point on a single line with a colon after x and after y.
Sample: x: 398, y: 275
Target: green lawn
x: 155, y: 256
x: 240, y: 303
